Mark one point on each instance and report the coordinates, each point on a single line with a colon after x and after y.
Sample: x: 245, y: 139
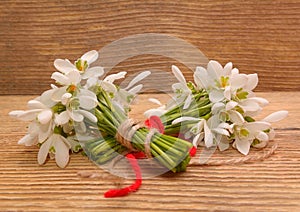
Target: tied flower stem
x: 173, y: 153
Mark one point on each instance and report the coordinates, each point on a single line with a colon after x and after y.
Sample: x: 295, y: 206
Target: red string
x: 193, y: 151
x: 134, y: 187
x: 155, y: 122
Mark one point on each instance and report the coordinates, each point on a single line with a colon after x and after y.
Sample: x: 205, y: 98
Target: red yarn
x: 155, y: 122
x: 134, y: 187
x: 193, y: 151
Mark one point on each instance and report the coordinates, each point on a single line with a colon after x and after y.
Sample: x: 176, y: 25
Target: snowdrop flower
x: 224, y: 83
x: 41, y: 116
x: 82, y: 65
x: 182, y: 91
x: 274, y: 117
x: 77, y: 107
x: 57, y: 145
x: 210, y: 131
x: 246, y: 133
x: 125, y: 96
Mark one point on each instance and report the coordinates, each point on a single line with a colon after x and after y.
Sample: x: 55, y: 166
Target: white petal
x: 224, y: 125
x: 44, y: 132
x: 198, y: 81
x: 136, y: 89
x: 252, y: 82
x: 216, y: 96
x: 74, y: 115
x: 45, y: 116
x: 261, y: 101
x: 200, y: 126
x: 213, y: 121
x: 155, y: 101
x: 86, y: 92
x: 272, y: 134
x: 60, y: 78
x: 46, y: 97
x: 53, y: 86
x: 179, y: 86
x: 197, y: 139
x: 250, y: 105
x: 243, y: 146
x: 96, y: 71
x: 276, y: 116
x: 257, y: 126
x: 187, y: 102
x: 154, y: 112
x: 214, y: 69
x: 227, y: 92
x: 15, y: 113
x: 208, y: 136
x: 138, y: 78
x: 227, y: 69
x: 61, y: 153
x: 87, y: 102
x: 34, y: 104
x: 217, y: 107
x: 234, y: 71
x: 91, y: 82
x: 65, y: 98
x: 64, y: 66
x: 111, y: 78
x: 107, y: 86
x: 44, y: 150
x: 80, y: 128
x: 58, y: 93
x: 238, y: 81
x: 34, y: 128
x: 62, y: 118
x: 90, y: 56
x: 74, y: 77
x: 223, y: 144
x: 178, y: 74
x: 29, y: 115
x: 184, y: 118
x: 28, y: 140
x: 262, y: 136
x: 202, y: 76
x: 88, y: 115
x: 230, y: 105
x: 221, y: 131
x: 236, y: 117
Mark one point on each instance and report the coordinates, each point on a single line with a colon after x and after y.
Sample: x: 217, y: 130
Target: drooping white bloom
x: 59, y: 146
x: 182, y: 92
x: 125, y: 96
x: 222, y: 83
x: 77, y: 107
x: 245, y: 134
x: 82, y: 65
x: 41, y: 116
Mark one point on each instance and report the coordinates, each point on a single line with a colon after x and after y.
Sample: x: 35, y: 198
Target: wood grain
x: 270, y: 185
x: 257, y: 36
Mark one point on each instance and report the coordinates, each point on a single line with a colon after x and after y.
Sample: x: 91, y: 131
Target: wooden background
x: 257, y: 36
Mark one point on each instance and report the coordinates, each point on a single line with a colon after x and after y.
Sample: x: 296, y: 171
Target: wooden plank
x: 257, y: 36
x: 273, y: 184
